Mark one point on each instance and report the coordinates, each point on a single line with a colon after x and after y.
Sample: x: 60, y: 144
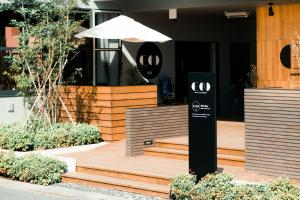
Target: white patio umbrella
x: 126, y: 29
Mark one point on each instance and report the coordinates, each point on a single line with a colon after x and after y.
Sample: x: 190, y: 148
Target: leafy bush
x: 15, y: 137
x: 37, y: 134
x: 32, y: 168
x: 222, y: 187
x: 65, y: 135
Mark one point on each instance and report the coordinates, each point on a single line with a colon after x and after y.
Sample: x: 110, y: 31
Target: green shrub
x: 65, y: 135
x: 15, y: 137
x: 222, y: 187
x: 32, y: 168
x: 37, y: 134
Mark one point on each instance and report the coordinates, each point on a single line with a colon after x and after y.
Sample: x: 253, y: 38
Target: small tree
x: 45, y: 41
x: 294, y: 79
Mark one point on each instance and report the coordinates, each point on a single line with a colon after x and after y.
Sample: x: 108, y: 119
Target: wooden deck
x: 231, y: 135
x: 109, y: 167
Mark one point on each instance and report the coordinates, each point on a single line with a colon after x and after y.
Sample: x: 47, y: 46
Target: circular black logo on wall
x: 149, y: 60
x: 285, y: 56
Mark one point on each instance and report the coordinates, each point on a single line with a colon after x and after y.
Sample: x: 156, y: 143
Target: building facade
x: 204, y: 40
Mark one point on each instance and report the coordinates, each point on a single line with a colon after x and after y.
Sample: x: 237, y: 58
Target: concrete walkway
x: 14, y: 190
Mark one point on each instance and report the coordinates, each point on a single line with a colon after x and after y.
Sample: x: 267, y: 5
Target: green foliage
x: 46, y: 39
x: 32, y: 168
x: 15, y: 137
x: 222, y: 187
x: 65, y: 135
x: 37, y: 134
x: 252, y: 75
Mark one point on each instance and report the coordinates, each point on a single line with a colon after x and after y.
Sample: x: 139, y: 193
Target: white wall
x: 9, y: 100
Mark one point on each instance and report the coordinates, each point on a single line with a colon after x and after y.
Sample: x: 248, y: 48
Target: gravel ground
x: 115, y: 193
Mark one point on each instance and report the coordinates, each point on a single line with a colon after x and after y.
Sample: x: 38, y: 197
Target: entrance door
x: 192, y: 57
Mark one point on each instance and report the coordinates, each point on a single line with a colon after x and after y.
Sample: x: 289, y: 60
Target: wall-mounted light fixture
x: 271, y: 11
x: 243, y: 14
x: 173, y: 14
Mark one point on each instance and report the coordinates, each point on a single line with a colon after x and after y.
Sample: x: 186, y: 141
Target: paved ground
x: 14, y: 190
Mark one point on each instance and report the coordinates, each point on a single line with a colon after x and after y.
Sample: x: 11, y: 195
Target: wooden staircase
x: 150, y: 185
x: 179, y: 150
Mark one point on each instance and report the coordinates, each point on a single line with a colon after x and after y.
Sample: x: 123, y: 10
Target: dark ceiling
x: 198, y: 6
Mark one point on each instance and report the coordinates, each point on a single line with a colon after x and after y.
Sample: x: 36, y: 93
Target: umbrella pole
x: 133, y: 63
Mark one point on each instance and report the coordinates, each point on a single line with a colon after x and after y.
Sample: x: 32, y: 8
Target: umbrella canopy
x: 124, y: 28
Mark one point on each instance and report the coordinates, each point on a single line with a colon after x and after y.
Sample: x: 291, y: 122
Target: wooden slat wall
x: 272, y: 121
x: 105, y: 106
x: 273, y: 33
x: 154, y: 123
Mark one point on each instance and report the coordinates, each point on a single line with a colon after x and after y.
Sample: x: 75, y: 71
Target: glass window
x: 107, y: 54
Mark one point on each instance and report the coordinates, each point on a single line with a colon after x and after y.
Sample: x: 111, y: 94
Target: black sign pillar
x: 202, y: 123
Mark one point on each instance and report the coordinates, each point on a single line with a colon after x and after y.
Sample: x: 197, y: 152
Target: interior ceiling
x: 218, y: 10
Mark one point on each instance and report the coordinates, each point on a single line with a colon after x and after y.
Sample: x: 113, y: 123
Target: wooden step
x: 231, y: 160
x: 223, y: 159
x: 171, y: 145
x: 167, y: 153
x: 116, y: 173
x: 232, y: 152
x: 182, y: 145
x: 149, y: 189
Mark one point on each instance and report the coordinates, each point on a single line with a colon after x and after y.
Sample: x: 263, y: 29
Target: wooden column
x: 273, y: 33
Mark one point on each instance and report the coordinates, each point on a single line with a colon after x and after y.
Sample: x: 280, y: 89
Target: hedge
x: 32, y: 168
x: 38, y: 134
x: 222, y: 187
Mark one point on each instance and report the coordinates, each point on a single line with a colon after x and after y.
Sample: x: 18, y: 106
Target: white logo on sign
x: 202, y: 87
x: 196, y: 106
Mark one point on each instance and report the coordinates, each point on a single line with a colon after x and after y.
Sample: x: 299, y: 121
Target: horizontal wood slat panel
x: 93, y: 116
x: 283, y: 157
x: 113, y: 97
x: 271, y: 170
x: 115, y: 123
x: 254, y: 145
x: 272, y: 126
x: 154, y: 123
x: 270, y: 91
x: 110, y: 104
x: 108, y: 90
x: 274, y: 122
x: 105, y: 106
x: 270, y: 102
x: 108, y: 110
x: 274, y: 138
x: 279, y: 150
x: 273, y: 133
x: 265, y: 110
x: 264, y: 126
x: 291, y: 169
x: 274, y: 118
x: 142, y: 121
x: 275, y: 93
x: 271, y: 97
